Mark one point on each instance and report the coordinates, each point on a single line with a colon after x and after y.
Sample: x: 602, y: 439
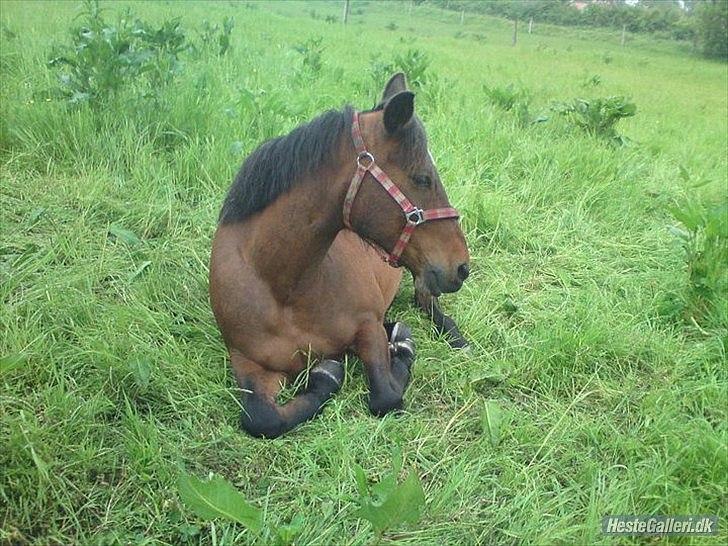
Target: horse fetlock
x: 401, y: 343
x: 326, y: 377
x: 403, y: 349
x: 397, y: 331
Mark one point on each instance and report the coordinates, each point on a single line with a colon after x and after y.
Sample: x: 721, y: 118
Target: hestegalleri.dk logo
x: 660, y: 525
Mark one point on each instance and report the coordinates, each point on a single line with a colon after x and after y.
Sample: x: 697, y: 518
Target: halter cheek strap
x: 414, y: 216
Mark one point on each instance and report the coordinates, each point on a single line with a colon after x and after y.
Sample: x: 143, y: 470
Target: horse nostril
x: 463, y: 271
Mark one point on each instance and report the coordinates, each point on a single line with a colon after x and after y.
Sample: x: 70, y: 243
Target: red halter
x: 414, y: 215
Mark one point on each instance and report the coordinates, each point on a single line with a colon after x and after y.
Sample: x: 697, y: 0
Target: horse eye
x: 422, y: 180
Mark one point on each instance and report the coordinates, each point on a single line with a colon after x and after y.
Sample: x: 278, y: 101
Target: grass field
x: 611, y: 379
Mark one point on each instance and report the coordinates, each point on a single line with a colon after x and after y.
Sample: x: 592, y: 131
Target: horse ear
x: 398, y: 111
x: 396, y: 84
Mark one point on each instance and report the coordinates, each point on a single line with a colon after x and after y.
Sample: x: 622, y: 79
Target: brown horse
x: 289, y: 280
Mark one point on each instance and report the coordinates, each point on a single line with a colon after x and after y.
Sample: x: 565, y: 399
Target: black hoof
x: 260, y: 419
x: 454, y: 338
x: 380, y: 406
x: 457, y: 341
x: 327, y: 376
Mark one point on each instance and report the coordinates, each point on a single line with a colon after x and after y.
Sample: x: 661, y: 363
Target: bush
x: 311, y: 55
x: 712, y: 29
x: 514, y: 100
x: 413, y: 62
x: 215, y: 36
x: 104, y: 58
x: 598, y: 116
x: 505, y: 97
x: 705, y: 242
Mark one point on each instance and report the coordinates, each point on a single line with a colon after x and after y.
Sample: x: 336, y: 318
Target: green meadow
x: 597, y: 308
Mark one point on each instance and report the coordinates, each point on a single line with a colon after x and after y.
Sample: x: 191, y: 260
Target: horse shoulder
x: 368, y: 284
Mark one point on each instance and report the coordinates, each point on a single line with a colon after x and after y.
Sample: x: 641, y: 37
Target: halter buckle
x: 415, y: 216
x: 364, y: 156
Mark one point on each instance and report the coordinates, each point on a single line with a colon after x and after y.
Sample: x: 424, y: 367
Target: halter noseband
x: 413, y: 215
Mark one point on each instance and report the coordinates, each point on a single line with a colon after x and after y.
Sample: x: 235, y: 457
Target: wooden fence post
x: 515, y: 31
x: 530, y: 25
x: 624, y: 34
x: 462, y: 17
x: 346, y: 11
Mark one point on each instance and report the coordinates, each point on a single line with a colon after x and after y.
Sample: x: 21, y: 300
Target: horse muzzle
x: 439, y: 281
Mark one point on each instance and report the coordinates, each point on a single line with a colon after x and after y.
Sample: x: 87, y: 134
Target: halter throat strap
x: 414, y: 216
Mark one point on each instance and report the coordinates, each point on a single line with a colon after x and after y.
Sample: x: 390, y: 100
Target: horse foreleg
x: 443, y: 324
x: 262, y: 416
x: 387, y: 353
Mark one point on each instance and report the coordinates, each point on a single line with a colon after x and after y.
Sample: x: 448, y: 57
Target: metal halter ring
x: 416, y: 216
x: 364, y: 155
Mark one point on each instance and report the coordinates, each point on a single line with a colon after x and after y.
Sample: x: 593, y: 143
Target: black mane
x: 279, y: 164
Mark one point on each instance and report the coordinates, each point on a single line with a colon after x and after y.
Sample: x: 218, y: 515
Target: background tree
x: 712, y: 28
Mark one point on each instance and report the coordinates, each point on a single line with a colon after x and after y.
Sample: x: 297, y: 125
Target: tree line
x: 703, y: 22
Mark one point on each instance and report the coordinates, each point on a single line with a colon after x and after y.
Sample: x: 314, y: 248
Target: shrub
x: 712, y: 29
x: 267, y: 112
x: 599, y: 116
x: 104, y: 58
x: 312, y: 55
x: 413, y: 62
x: 505, y: 97
x: 514, y: 100
x: 705, y: 243
x: 218, y: 36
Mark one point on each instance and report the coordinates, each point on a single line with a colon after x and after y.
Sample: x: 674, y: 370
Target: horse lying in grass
x: 297, y: 269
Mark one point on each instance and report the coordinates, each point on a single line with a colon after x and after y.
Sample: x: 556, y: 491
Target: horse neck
x: 294, y: 233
